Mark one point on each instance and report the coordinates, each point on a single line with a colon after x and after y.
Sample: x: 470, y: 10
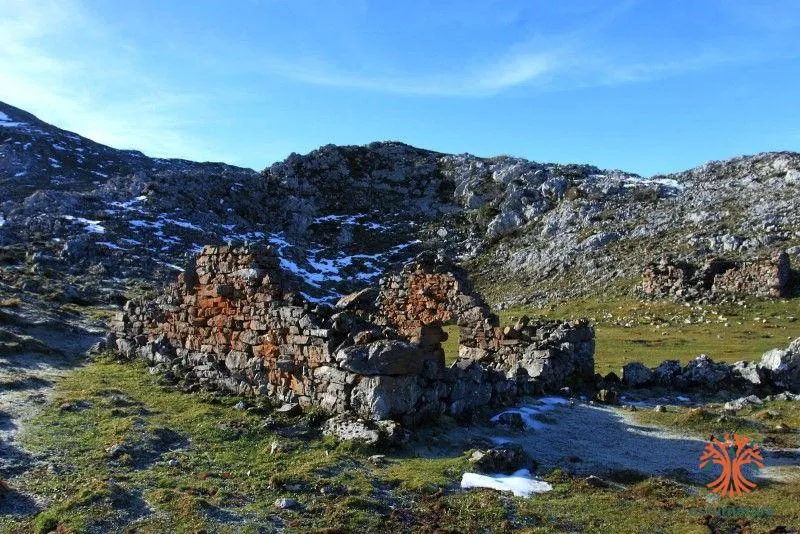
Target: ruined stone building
x: 233, y: 322
x: 767, y: 278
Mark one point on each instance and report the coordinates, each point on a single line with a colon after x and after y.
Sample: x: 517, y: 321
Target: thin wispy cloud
x: 56, y: 59
x: 168, y: 81
x: 476, y: 81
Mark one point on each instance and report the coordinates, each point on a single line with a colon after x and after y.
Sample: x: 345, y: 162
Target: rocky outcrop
x: 232, y: 321
x: 78, y: 213
x: 766, y: 277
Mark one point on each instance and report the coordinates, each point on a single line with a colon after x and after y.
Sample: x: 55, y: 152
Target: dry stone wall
x: 431, y: 290
x: 232, y: 322
x: 767, y: 278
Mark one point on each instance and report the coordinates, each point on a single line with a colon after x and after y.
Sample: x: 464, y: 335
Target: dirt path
x: 589, y: 439
x: 37, y: 347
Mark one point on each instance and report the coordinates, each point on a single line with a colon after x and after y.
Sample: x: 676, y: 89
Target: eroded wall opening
x: 451, y: 345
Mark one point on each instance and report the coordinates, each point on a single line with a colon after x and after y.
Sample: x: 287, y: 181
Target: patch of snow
x: 529, y: 412
x: 520, y: 483
x: 129, y: 241
x: 2, y: 220
x: 138, y: 223
x: 344, y: 219
x: 350, y: 220
x: 98, y: 173
x: 110, y: 245
x: 91, y: 226
x: 128, y: 204
x: 20, y: 173
x: 667, y: 182
x: 181, y: 223
x: 6, y: 121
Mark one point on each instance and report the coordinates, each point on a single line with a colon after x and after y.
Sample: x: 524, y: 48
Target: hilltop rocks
x: 233, y: 322
x: 341, y: 215
x: 767, y: 277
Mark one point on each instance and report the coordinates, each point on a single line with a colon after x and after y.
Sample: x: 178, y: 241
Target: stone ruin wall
x: 232, y: 322
x: 766, y: 278
x: 427, y: 292
x: 432, y: 292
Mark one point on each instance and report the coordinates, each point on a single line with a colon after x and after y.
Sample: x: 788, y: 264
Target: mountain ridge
x: 98, y: 219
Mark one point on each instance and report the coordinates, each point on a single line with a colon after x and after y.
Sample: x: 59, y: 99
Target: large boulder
x: 702, y: 372
x: 636, y: 374
x: 364, y: 298
x: 505, y: 458
x: 783, y: 366
x: 386, y: 397
x: 385, y: 357
x: 748, y: 374
x: 667, y: 372
x: 568, y: 364
x: 346, y: 427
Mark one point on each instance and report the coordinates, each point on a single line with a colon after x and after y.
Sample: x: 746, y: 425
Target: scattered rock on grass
x: 116, y: 450
x: 743, y: 402
x: 378, y: 459
x: 596, y: 482
x: 289, y: 409
x: 381, y: 433
x: 501, y: 459
x: 287, y: 504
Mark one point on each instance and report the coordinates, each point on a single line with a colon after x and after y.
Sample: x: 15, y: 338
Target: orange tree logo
x: 732, y: 455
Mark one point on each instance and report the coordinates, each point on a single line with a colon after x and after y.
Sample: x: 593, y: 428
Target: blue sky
x: 643, y: 86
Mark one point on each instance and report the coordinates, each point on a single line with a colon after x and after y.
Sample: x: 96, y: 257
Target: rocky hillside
x: 83, y: 222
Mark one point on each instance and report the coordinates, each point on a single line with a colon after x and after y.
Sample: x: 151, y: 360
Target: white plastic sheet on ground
x: 520, y: 483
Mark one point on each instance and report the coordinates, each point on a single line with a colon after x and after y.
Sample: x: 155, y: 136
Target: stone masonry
x: 232, y: 322
x: 767, y: 278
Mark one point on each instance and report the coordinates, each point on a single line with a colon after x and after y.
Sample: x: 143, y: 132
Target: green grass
x: 650, y: 332
x: 450, y: 346
x: 228, y: 471
x: 774, y: 422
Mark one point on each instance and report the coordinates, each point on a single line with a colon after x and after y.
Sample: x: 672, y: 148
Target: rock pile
x: 767, y: 277
x: 232, y: 322
x: 777, y: 371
